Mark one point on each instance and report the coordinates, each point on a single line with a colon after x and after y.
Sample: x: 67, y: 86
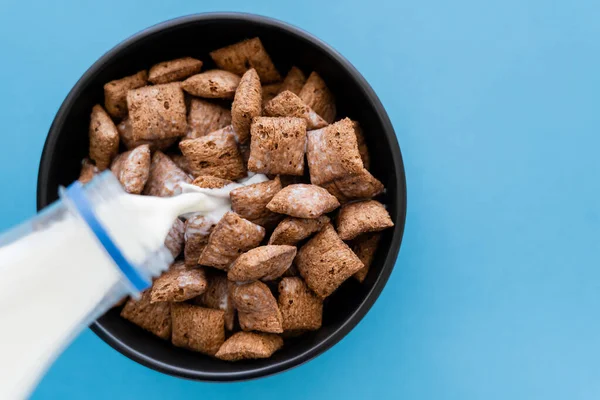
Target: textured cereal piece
x: 292, y: 230
x: 175, y: 238
x: 115, y: 93
x: 360, y: 186
x: 197, y: 231
x: 317, y: 96
x: 365, y: 246
x: 257, y: 308
x: 361, y: 217
x: 132, y: 168
x: 287, y: 104
x: 240, y: 57
x: 300, y: 308
x: 197, y: 328
x: 126, y: 136
x: 88, y: 171
x: 153, y: 317
x: 294, y: 81
x: 181, y: 162
x: 205, y: 117
x: 249, y: 346
x: 210, y: 182
x: 165, y: 177
x: 268, y: 92
x: 332, y: 152
x: 232, y: 236
x: 157, y: 112
x: 174, y: 70
x: 214, y: 154
x: 264, y: 262
x: 217, y: 296
x: 363, y: 150
x: 179, y: 283
x: 251, y: 201
x: 277, y: 146
x: 104, y: 138
x: 247, y: 104
x: 325, y: 262
x: 303, y: 201
x: 213, y: 84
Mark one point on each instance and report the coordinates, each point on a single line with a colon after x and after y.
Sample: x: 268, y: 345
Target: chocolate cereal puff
x: 232, y: 236
x: 213, y: 84
x: 197, y: 230
x: 214, y: 154
x: 251, y: 201
x: 325, y: 262
x: 175, y: 238
x: 277, y: 146
x: 303, y: 201
x: 292, y: 230
x: 268, y: 92
x: 247, y: 104
x: 179, y: 283
x: 104, y: 138
x: 257, y: 308
x: 205, y: 117
x: 365, y: 246
x: 317, y: 96
x: 332, y: 152
x: 360, y: 186
x: 88, y: 171
x: 287, y: 104
x: 157, y: 112
x: 153, y: 317
x: 240, y: 57
x: 115, y: 93
x: 210, y: 182
x: 217, y: 296
x: 361, y: 217
x: 294, y: 81
x: 174, y: 70
x: 249, y: 346
x: 165, y: 177
x: 264, y: 262
x: 197, y: 328
x: 126, y: 136
x: 363, y: 150
x: 300, y: 308
x: 132, y: 168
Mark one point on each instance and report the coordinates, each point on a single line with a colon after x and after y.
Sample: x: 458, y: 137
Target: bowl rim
x: 390, y: 259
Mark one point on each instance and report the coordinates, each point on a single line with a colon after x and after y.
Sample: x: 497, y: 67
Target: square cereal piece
x: 249, y: 346
x: 104, y: 138
x: 115, y: 93
x: 361, y: 217
x: 247, y: 104
x: 153, y: 317
x: 363, y: 150
x: 303, y: 201
x: 213, y: 84
x: 365, y: 246
x: 360, y: 186
x: 317, y: 96
x: 205, y: 117
x: 251, y: 201
x: 240, y: 57
x: 294, y: 81
x: 256, y: 306
x: 214, y: 154
x: 126, y: 136
x: 293, y: 230
x: 179, y: 283
x: 132, y: 168
x: 332, y: 152
x: 268, y: 92
x: 217, y: 296
x: 264, y: 262
x: 287, y: 104
x: 175, y: 238
x: 277, y: 146
x: 174, y: 70
x: 300, y: 308
x: 231, y: 237
x: 325, y: 262
x: 165, y: 177
x: 88, y: 171
x: 197, y: 328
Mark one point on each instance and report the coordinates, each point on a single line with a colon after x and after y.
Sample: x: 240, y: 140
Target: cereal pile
x: 261, y: 273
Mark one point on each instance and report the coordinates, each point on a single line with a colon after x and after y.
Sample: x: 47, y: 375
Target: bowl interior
x: 195, y: 36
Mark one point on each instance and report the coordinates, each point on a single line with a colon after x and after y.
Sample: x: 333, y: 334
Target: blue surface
x: 496, y: 291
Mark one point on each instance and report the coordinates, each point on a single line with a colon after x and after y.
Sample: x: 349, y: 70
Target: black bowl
x: 195, y: 36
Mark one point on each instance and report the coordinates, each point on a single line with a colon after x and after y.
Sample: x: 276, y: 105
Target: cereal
x: 179, y: 283
x: 264, y: 262
x: 126, y: 136
x: 361, y: 217
x: 287, y: 104
x: 213, y: 84
x: 217, y: 296
x: 104, y: 138
x: 88, y: 171
x: 247, y: 104
x: 294, y: 81
x: 251, y: 201
x: 197, y: 328
x: 300, y: 308
x: 317, y: 96
x: 277, y: 146
x: 325, y: 262
x: 210, y: 182
x: 268, y: 92
x: 175, y: 238
x: 364, y: 246
x: 240, y: 57
x: 292, y: 230
x: 132, y: 168
x: 360, y: 186
x: 214, y: 154
x: 174, y: 70
x: 165, y: 177
x: 303, y: 201
x: 205, y: 117
x: 363, y: 150
x: 115, y: 93
x: 153, y: 317
x: 249, y: 345
x: 257, y: 308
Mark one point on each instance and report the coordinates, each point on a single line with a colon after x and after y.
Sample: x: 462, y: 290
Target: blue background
x: 496, y: 105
